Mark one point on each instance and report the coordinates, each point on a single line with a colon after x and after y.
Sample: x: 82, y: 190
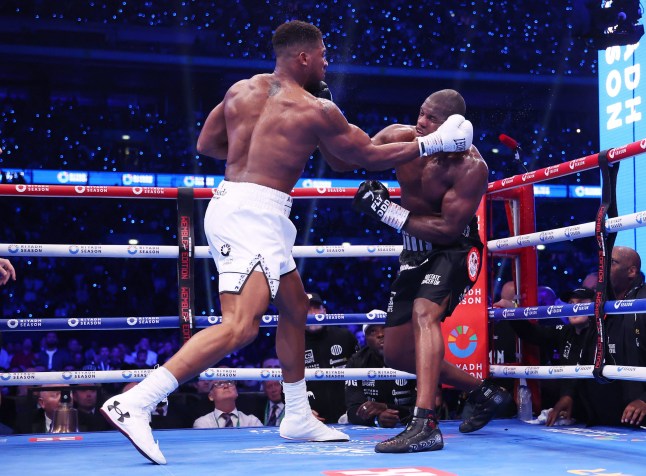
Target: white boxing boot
x: 299, y: 423
x: 130, y: 412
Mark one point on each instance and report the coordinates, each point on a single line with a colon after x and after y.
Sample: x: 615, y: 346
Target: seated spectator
x: 224, y: 394
x: 24, y: 358
x: 620, y: 402
x: 40, y: 420
x: 275, y: 405
x: 141, y: 359
x: 150, y: 356
x: 386, y: 403
x: 326, y: 347
x: 102, y: 361
x: 567, y: 340
x: 53, y: 357
x: 86, y: 401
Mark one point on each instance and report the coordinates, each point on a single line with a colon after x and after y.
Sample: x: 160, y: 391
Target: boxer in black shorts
x: 440, y: 194
x: 459, y: 264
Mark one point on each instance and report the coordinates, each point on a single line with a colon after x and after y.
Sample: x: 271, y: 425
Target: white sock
x: 296, y: 397
x: 154, y: 388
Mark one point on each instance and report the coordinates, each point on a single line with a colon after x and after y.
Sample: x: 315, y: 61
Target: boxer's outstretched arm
x: 213, y: 140
x: 336, y: 163
x: 348, y: 143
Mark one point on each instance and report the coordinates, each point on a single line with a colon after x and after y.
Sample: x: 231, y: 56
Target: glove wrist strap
x: 395, y: 216
x: 429, y: 144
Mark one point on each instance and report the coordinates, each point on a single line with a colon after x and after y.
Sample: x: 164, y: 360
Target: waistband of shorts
x: 415, y: 244
x: 258, y: 195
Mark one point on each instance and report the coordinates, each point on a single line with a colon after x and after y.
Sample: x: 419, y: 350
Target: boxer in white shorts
x: 248, y: 229
x: 266, y: 128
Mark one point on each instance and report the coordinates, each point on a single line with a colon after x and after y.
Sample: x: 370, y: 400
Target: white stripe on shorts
x: 415, y: 244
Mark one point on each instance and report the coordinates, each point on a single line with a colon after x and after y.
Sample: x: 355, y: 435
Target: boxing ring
x: 551, y: 450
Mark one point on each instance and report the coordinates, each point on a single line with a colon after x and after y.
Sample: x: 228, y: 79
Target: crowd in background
x: 46, y: 127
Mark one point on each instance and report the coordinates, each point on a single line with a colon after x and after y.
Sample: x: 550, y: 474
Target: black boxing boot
x: 421, y: 434
x: 484, y: 402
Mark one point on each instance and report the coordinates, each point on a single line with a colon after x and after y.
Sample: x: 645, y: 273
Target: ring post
x: 186, y: 262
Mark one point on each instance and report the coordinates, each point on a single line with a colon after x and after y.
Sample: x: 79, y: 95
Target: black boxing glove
x: 373, y: 199
x: 320, y: 90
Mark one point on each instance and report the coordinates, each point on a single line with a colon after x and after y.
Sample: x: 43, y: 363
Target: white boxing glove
x: 455, y: 135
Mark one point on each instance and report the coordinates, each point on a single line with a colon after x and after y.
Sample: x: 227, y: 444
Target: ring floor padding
x: 504, y: 447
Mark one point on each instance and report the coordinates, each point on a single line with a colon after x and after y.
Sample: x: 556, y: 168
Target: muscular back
x: 269, y: 128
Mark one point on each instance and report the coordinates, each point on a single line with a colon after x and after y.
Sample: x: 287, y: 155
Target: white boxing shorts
x: 248, y: 229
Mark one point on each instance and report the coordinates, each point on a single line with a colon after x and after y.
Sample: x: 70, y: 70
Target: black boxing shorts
x: 434, y: 274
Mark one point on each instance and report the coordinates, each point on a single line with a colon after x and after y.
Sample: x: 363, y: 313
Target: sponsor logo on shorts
x: 473, y: 264
x: 225, y: 249
x: 432, y: 279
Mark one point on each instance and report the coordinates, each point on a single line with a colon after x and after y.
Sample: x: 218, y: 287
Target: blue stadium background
x: 79, y: 76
